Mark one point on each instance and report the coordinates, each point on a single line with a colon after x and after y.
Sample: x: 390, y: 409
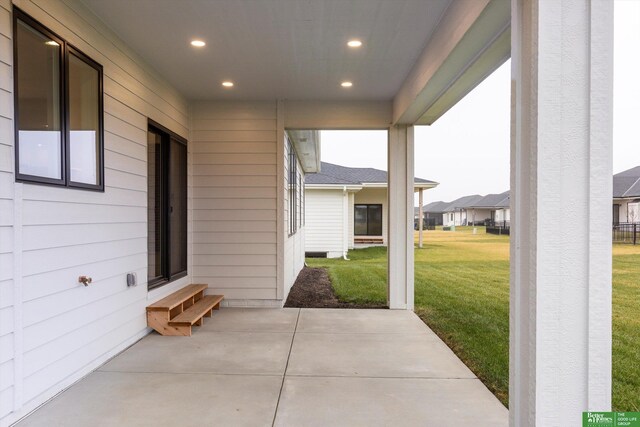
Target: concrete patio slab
x: 374, y: 355
x: 211, y: 352
x: 388, y: 402
x: 252, y: 320
x: 326, y: 368
x: 157, y: 399
x: 339, y: 321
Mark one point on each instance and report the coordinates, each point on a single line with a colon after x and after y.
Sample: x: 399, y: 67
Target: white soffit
x: 307, y: 146
x: 472, y: 40
x: 277, y: 49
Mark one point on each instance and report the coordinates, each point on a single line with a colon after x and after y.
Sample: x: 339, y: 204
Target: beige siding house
x: 347, y: 208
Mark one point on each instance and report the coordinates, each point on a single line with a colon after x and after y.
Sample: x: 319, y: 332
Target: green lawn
x: 462, y: 293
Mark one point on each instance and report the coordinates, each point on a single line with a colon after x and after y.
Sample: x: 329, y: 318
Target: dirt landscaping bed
x: 312, y: 289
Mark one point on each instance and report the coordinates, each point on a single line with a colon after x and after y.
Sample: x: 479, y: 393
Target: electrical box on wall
x: 132, y: 279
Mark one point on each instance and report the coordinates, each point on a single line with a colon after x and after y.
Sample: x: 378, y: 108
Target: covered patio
x: 284, y: 367
x: 217, y: 103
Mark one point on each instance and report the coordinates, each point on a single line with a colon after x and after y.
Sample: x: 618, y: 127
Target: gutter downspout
x: 345, y: 223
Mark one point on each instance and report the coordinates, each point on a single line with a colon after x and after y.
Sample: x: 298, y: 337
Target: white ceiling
x: 292, y: 49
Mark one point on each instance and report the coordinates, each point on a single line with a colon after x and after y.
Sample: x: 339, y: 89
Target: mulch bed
x: 312, y: 289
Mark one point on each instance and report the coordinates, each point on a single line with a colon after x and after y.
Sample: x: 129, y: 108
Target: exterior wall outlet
x: 132, y: 279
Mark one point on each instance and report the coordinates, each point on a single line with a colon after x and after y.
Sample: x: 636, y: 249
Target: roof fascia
x: 471, y: 41
x: 340, y: 187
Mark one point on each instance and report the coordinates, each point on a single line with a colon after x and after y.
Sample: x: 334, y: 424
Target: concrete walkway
x: 289, y: 367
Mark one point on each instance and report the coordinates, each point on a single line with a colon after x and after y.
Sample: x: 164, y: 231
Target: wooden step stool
x: 178, y: 312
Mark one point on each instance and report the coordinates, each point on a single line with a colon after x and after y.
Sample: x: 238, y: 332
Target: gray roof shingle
x: 490, y: 201
x: 435, y: 207
x: 463, y: 202
x: 627, y: 183
x: 331, y: 174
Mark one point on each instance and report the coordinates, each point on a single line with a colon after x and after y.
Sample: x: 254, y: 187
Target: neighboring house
x: 347, y: 207
x: 470, y: 210
x: 433, y: 212
x: 492, y: 207
x: 457, y: 212
x: 626, y: 196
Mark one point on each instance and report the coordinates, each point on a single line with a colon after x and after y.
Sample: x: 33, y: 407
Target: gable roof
x: 627, y: 183
x: 331, y: 174
x: 435, y: 207
x: 491, y: 201
x: 463, y: 202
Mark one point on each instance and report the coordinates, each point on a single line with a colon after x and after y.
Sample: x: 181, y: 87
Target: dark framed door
x: 167, y: 206
x: 367, y: 220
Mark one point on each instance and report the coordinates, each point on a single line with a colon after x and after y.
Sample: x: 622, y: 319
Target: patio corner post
x: 400, y: 218
x: 561, y: 190
x: 420, y: 216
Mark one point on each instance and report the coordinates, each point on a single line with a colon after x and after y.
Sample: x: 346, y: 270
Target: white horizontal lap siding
x: 68, y: 329
x: 234, y: 155
x: 325, y: 221
x: 7, y: 284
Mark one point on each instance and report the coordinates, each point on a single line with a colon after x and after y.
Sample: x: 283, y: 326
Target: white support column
x: 561, y: 185
x: 345, y: 222
x: 400, y: 217
x: 420, y: 216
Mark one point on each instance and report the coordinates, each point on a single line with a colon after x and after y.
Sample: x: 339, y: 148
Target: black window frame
x: 299, y: 194
x: 66, y: 49
x: 293, y: 189
x: 368, y: 205
x: 166, y: 244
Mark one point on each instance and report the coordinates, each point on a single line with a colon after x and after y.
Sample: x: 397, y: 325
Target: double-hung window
x: 58, y: 109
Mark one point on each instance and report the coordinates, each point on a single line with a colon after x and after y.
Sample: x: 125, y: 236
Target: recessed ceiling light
x: 197, y: 43
x: 354, y: 43
x: 227, y: 84
x: 52, y: 43
x: 346, y: 84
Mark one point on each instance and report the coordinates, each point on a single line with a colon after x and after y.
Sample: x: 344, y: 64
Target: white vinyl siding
x: 234, y: 154
x: 325, y: 221
x: 7, y: 284
x: 68, y: 329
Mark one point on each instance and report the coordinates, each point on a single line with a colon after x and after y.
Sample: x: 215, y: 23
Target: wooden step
x: 178, y: 312
x: 193, y: 315
x: 175, y: 299
x: 368, y: 240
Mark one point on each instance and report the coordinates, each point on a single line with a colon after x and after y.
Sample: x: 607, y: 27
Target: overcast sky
x: 467, y: 149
